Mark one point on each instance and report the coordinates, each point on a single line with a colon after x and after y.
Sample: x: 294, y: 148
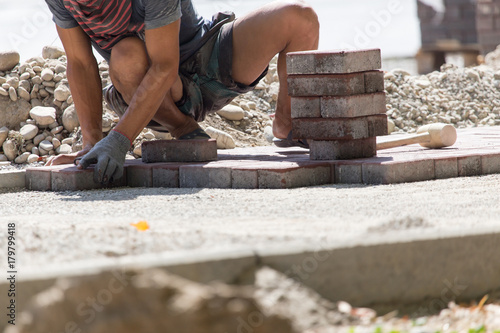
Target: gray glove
x: 109, y: 154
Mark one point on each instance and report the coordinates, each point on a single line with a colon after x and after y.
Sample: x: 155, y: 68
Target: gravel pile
x: 464, y: 97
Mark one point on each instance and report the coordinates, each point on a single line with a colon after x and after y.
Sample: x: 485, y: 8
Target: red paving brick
x: 339, y: 128
x: 179, y: 151
x: 333, y: 62
x: 476, y: 152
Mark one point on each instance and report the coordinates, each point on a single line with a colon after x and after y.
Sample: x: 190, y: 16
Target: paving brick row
x: 342, y: 149
x: 333, y: 62
x: 179, y: 151
x: 74, y: 179
x: 339, y: 107
x: 339, y: 128
x: 326, y: 85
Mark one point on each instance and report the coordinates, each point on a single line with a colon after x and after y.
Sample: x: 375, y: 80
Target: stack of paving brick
x: 458, y: 22
x: 338, y: 102
x: 488, y: 24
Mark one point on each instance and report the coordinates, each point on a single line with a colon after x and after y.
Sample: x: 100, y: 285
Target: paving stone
x: 306, y: 107
x: 245, y: 178
x: 446, y: 168
x: 292, y: 177
x: 398, y: 172
x: 74, y: 179
x: 348, y: 173
x: 374, y: 82
x: 333, y: 62
x: 338, y: 107
x: 353, y: 106
x: 469, y: 166
x: 179, y: 151
x: 342, y: 149
x: 12, y: 179
x: 40, y: 178
x: 490, y: 163
x: 166, y: 175
x: 339, y: 128
x: 326, y: 85
x: 140, y: 175
x: 205, y: 176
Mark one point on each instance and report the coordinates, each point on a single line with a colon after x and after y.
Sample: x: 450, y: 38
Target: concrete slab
x: 477, y: 152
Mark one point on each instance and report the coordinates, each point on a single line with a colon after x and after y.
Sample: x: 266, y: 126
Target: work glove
x: 109, y: 157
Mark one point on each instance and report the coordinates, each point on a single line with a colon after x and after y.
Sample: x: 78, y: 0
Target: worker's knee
x: 300, y: 17
x: 128, y: 64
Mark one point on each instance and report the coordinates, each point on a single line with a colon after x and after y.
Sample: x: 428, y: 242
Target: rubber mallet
x: 430, y: 136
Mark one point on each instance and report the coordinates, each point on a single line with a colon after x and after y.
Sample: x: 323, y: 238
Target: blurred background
x: 436, y: 30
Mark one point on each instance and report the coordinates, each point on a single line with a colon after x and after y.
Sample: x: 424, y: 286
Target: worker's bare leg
x: 277, y: 28
x: 128, y: 66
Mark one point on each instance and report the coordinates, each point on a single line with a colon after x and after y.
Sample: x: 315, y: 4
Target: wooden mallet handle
x: 416, y: 138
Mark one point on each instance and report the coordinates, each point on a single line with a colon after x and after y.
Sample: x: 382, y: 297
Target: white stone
x: 35, y: 151
x: 13, y: 82
x: 3, y: 158
x: 32, y: 158
x: 4, y: 132
x: 224, y: 140
x: 3, y: 92
x: 21, y: 159
x: 52, y: 52
x: 232, y: 112
x: 44, y: 116
x: 8, y: 60
x: 268, y: 134
x: 46, y: 145
x: 138, y: 150
x: 23, y: 94
x: 56, y: 143
x: 10, y: 149
x: 67, y: 141
x: 62, y: 93
x: 70, y: 119
x: 47, y: 74
x: 57, y: 130
x: 37, y: 139
x: 64, y: 149
x: 29, y: 131
x: 13, y: 94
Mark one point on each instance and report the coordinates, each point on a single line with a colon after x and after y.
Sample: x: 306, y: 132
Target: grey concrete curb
x: 394, y: 269
x: 12, y: 178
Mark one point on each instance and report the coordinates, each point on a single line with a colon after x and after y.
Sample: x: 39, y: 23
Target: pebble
x: 46, y: 145
x: 3, y: 159
x: 25, y: 76
x: 56, y: 143
x: 13, y: 82
x: 44, y: 116
x: 37, y: 139
x: 57, y: 130
x: 21, y: 159
x: 67, y: 141
x: 232, y: 112
x: 47, y: 74
x: 13, y: 94
x: 29, y: 131
x: 35, y: 151
x: 21, y: 92
x: 224, y: 140
x: 64, y: 149
x: 10, y: 149
x: 4, y: 132
x: 8, y: 60
x: 52, y: 52
x: 3, y: 92
x: 32, y: 158
x: 70, y: 119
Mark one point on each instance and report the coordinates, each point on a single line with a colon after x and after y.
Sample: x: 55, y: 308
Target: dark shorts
x: 206, y: 77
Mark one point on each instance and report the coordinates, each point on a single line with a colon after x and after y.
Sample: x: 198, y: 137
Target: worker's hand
x: 67, y: 158
x: 109, y: 157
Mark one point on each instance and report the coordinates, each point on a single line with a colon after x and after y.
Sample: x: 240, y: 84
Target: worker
x: 170, y: 67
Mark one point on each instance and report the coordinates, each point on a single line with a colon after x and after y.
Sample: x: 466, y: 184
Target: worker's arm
x: 86, y: 89
x: 162, y: 45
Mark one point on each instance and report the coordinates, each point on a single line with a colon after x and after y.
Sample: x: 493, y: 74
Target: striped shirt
x: 106, y: 22
x: 109, y: 21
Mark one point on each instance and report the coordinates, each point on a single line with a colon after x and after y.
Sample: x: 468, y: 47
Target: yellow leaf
x: 141, y: 225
